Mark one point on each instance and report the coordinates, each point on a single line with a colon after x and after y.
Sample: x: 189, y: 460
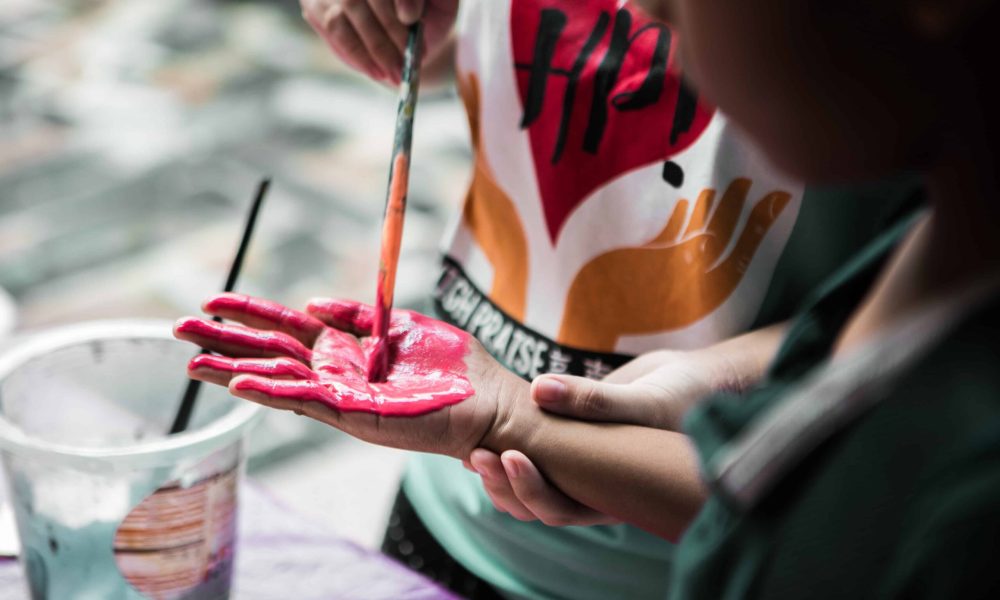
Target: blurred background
x: 132, y: 136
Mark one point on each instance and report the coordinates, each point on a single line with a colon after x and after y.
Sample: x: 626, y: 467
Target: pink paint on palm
x: 312, y: 362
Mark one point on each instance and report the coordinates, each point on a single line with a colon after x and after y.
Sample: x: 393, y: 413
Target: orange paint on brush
x: 395, y: 204
x: 392, y: 236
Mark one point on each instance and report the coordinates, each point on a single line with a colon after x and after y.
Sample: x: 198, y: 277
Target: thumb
x: 591, y: 400
x: 409, y: 11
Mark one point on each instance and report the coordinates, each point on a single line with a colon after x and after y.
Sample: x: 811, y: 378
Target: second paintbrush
x: 395, y: 206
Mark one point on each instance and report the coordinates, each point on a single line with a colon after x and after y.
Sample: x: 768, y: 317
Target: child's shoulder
x: 965, y: 364
x: 952, y: 525
x: 946, y: 408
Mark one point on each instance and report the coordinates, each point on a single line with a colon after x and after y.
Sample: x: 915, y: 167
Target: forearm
x: 657, y: 389
x: 643, y: 476
x: 739, y: 362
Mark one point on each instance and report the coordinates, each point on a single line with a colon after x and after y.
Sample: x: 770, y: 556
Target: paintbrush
x: 190, y: 396
x: 395, y: 205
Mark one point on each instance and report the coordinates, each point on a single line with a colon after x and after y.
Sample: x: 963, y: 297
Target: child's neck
x: 956, y: 246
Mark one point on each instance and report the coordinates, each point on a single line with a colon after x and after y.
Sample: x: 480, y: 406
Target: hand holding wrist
x: 658, y: 388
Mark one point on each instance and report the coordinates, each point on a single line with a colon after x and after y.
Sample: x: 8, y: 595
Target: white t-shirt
x: 602, y: 217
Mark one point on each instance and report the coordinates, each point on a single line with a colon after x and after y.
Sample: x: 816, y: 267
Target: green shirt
x: 530, y: 560
x: 898, y: 498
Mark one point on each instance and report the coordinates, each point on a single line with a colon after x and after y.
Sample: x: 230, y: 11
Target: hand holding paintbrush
x: 395, y: 206
x: 370, y: 36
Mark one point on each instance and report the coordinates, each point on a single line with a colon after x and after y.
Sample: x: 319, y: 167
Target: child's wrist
x: 517, y: 419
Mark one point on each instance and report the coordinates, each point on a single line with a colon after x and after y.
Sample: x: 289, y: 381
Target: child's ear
x: 943, y: 19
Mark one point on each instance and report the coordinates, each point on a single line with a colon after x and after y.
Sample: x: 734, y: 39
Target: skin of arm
x: 640, y: 475
x: 657, y: 389
x: 654, y: 390
x: 639, y: 470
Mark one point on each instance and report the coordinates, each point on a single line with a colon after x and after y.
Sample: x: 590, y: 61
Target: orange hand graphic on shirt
x: 673, y: 280
x: 493, y: 219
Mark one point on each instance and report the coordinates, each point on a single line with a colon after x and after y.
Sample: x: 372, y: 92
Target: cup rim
x: 160, y: 451
x: 8, y: 314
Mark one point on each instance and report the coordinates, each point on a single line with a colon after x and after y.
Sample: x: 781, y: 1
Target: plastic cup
x: 107, y: 504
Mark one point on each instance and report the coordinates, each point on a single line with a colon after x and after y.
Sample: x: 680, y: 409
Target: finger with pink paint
x: 239, y: 341
x: 265, y: 315
x: 220, y: 370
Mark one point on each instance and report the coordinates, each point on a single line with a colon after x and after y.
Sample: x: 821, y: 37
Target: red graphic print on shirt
x: 601, y: 93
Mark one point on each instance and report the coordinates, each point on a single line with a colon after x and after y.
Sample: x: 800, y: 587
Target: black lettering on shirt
x: 551, y: 28
x: 516, y: 346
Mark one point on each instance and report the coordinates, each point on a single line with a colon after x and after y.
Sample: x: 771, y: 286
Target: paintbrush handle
x: 395, y: 204
x: 190, y: 396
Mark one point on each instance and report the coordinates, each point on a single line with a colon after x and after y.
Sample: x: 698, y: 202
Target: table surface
x: 284, y: 555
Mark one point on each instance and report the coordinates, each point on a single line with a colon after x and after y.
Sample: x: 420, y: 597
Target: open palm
x: 314, y: 363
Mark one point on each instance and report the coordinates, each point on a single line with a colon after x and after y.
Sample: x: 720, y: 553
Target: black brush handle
x: 190, y: 397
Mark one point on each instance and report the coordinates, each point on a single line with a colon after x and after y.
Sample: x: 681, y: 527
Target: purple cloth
x: 283, y: 555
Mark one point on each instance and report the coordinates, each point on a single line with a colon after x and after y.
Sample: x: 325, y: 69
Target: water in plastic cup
x: 108, y: 506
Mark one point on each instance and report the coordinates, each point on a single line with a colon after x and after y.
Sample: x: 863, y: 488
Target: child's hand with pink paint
x: 444, y: 394
x: 441, y: 394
